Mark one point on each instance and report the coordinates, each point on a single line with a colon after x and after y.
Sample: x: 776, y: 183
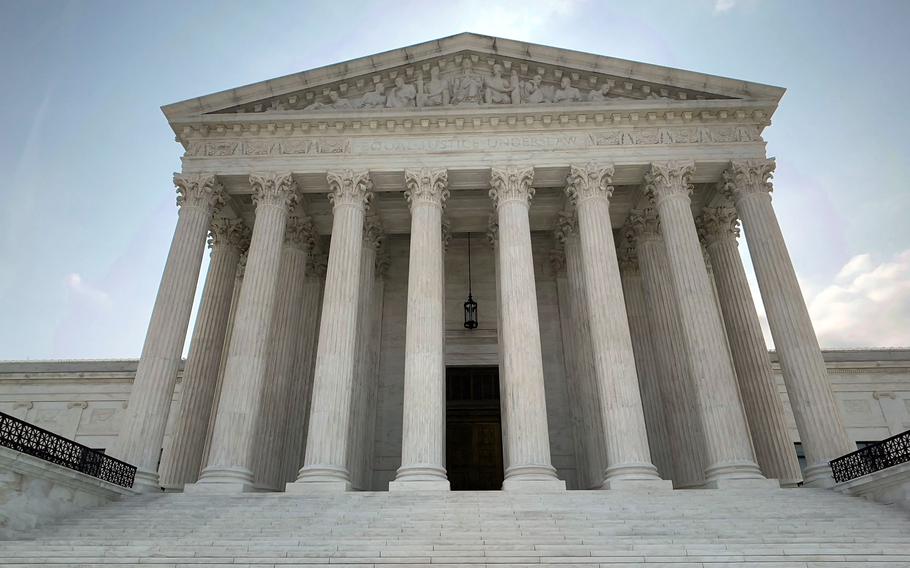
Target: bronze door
x: 473, y: 429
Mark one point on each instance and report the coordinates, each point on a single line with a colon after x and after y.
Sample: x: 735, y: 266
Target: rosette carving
x: 349, y: 187
x: 229, y: 232
x: 588, y: 181
x: 749, y: 177
x: 199, y: 190
x: 669, y: 179
x: 427, y: 186
x: 274, y: 189
x: 716, y: 223
x: 511, y: 184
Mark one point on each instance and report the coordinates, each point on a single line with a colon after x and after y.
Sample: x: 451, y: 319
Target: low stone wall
x: 33, y: 492
x: 889, y: 486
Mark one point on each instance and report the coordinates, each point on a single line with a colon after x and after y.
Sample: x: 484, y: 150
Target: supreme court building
x: 591, y: 206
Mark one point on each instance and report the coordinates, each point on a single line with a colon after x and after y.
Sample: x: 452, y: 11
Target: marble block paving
x: 786, y: 528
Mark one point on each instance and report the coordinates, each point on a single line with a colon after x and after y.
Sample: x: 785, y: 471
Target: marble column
x: 271, y: 424
x: 628, y: 455
x: 324, y: 466
x: 182, y: 459
x: 764, y: 409
x: 684, y: 430
x: 645, y: 361
x: 493, y: 239
x: 818, y: 416
x: 567, y: 232
x: 730, y: 458
x: 142, y: 434
x: 360, y: 428
x: 424, y: 416
x: 230, y: 464
x: 529, y: 468
x: 305, y: 360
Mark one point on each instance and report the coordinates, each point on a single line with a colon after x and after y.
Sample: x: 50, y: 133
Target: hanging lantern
x: 470, y: 306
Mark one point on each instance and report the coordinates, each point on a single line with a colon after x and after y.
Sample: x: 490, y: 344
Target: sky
x: 87, y: 206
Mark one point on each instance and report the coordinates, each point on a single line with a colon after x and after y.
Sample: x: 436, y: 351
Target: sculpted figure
x: 515, y: 87
x: 532, y: 91
x: 496, y: 88
x: 467, y: 86
x: 375, y: 98
x: 402, y: 95
x: 336, y: 102
x: 566, y: 93
x: 599, y: 94
x: 437, y: 90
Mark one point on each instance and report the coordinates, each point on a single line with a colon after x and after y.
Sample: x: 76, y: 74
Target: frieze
x: 725, y: 134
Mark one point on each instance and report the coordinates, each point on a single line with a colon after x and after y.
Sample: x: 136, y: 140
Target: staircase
x: 794, y: 528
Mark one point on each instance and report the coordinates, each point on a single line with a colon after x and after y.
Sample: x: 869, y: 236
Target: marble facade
x: 338, y: 203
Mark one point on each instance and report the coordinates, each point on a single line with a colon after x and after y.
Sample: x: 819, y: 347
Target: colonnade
x: 672, y: 379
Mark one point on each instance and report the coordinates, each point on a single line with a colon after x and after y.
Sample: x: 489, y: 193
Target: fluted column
x: 818, y: 417
x: 327, y: 436
x: 645, y: 361
x: 181, y: 461
x: 140, y: 440
x: 764, y: 409
x: 271, y: 424
x: 529, y: 443
x: 628, y: 456
x: 595, y: 445
x: 359, y: 427
x: 230, y: 463
x: 730, y: 459
x: 305, y: 360
x: 684, y: 430
x: 423, y: 426
x: 493, y: 239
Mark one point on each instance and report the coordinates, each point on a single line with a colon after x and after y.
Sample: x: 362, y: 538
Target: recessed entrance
x: 473, y: 429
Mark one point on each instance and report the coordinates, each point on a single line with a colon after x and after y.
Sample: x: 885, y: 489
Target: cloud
x: 82, y: 290
x: 867, y: 305
x: 722, y: 6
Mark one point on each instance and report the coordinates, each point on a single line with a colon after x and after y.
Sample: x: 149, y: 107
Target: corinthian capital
x: 199, y: 190
x: 349, y: 187
x: 373, y: 233
x: 643, y: 224
x: 589, y: 180
x: 274, y: 189
x: 492, y: 229
x: 669, y: 179
x: 300, y: 233
x: 717, y: 223
x: 426, y: 185
x: 511, y: 184
x: 748, y: 177
x: 566, y: 226
x: 229, y: 233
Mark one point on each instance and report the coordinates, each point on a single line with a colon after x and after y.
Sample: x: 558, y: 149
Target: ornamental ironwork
x: 40, y: 443
x: 875, y: 457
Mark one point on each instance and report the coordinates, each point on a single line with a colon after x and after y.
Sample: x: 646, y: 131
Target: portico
x: 618, y: 366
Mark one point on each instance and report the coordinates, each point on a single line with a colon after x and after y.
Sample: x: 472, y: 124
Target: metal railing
x: 34, y: 441
x: 875, y: 457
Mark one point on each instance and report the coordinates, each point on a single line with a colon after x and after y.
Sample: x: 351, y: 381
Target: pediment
x: 470, y: 71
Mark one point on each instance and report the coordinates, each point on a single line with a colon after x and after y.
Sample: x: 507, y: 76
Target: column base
x: 533, y: 479
x: 223, y: 480
x: 320, y: 479
x: 732, y: 471
x: 819, y: 475
x: 420, y: 477
x: 146, y: 482
x: 638, y: 485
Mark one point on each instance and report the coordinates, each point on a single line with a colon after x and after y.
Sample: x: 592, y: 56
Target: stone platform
x: 786, y: 528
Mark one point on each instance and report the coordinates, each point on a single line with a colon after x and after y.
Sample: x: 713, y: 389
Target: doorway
x: 473, y: 429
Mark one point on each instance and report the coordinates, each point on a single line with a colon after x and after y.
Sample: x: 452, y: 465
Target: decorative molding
x: 349, y: 187
x: 426, y: 186
x: 229, y: 233
x: 717, y: 223
x: 511, y: 184
x: 199, y: 190
x: 664, y: 180
x: 274, y: 189
x: 589, y: 181
x: 749, y: 177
